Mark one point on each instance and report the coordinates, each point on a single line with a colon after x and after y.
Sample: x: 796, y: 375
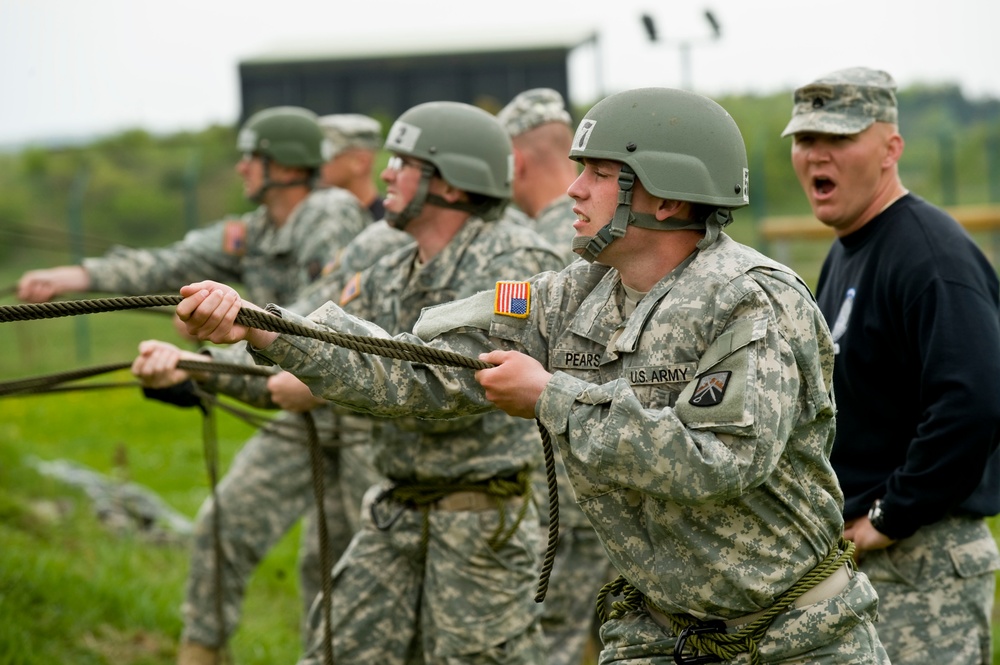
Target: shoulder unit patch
x: 711, y: 389
x: 513, y: 299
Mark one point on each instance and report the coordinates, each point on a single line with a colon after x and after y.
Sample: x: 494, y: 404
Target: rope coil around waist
x: 710, y: 637
x: 423, y: 496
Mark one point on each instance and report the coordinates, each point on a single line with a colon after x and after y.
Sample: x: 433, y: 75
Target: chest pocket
x: 726, y: 386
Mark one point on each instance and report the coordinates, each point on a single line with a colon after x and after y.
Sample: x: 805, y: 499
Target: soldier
x: 274, y: 252
x: 904, y: 287
x: 274, y: 484
x: 356, y: 140
x: 686, y: 379
x: 444, y: 565
x: 541, y: 134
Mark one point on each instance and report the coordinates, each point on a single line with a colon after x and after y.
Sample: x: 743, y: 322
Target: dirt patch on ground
x: 132, y: 646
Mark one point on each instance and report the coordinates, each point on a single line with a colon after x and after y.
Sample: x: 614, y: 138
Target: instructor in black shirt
x: 913, y: 307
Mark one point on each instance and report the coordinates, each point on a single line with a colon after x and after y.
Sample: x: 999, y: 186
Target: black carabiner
x: 697, y: 629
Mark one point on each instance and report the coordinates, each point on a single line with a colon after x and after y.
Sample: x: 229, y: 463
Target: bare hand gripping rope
x: 388, y: 348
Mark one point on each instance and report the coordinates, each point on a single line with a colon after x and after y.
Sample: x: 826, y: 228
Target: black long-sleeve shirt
x: 913, y: 306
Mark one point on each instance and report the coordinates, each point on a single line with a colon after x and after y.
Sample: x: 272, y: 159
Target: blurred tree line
x: 133, y: 189
x: 142, y: 190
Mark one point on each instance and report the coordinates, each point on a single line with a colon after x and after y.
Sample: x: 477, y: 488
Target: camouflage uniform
x: 581, y: 566
x: 711, y: 511
x: 270, y: 486
x: 272, y: 263
x: 405, y: 596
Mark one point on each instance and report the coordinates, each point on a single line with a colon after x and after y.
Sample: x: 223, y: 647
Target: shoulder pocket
x: 723, y: 392
x: 472, y: 312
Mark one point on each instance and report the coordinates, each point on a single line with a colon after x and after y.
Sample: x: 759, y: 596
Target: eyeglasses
x: 249, y: 156
x: 397, y: 163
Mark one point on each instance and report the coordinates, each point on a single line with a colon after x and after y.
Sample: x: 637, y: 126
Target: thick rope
x: 727, y: 646
x: 552, y: 538
x: 261, y: 320
x: 47, y: 381
x: 209, y: 436
x: 106, y: 385
x: 53, y: 383
x: 325, y: 559
x: 252, y: 318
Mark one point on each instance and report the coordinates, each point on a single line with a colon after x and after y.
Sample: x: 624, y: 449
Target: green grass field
x: 74, y: 591
x: 71, y: 589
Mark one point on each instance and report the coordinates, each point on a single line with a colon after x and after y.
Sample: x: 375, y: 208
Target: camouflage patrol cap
x: 844, y: 102
x: 351, y: 130
x: 532, y: 108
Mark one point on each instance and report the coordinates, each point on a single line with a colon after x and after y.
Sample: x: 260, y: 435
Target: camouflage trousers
x: 580, y: 569
x: 936, y: 593
x: 266, y: 490
x: 405, y: 597
x: 839, y: 630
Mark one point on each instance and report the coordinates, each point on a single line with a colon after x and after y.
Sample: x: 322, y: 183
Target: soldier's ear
x: 894, y: 149
x: 450, y: 193
x: 668, y: 208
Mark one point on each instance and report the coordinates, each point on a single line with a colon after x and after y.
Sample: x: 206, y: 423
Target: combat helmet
x: 286, y: 135
x: 463, y: 144
x: 680, y: 145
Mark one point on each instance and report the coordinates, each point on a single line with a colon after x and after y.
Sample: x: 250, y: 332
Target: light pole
x: 683, y: 46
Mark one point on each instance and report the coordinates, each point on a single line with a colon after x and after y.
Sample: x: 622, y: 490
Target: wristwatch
x: 877, y: 516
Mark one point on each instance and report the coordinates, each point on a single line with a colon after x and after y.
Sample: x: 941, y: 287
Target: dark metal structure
x: 384, y: 79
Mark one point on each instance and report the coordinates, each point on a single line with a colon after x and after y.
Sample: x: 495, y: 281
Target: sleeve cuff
x: 557, y: 400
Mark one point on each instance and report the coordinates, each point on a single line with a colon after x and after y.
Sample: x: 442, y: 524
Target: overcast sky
x: 72, y: 68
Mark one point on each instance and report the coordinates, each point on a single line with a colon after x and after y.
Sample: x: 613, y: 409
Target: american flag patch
x: 513, y: 299
x: 234, y: 238
x: 351, y: 290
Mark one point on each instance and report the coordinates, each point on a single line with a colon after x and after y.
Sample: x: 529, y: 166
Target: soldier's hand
x: 288, y: 392
x: 865, y: 537
x: 43, y: 285
x: 156, y: 364
x: 515, y: 384
x: 209, y: 311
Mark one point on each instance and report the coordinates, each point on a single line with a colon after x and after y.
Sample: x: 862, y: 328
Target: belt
x: 828, y: 588
x: 469, y: 501
x: 460, y: 501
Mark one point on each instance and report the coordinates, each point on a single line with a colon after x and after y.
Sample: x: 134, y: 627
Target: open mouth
x: 823, y: 186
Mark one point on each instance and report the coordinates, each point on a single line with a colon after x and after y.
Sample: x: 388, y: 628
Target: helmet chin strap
x: 488, y: 211
x: 592, y: 246
x: 399, y: 220
x: 714, y: 224
x: 258, y: 196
